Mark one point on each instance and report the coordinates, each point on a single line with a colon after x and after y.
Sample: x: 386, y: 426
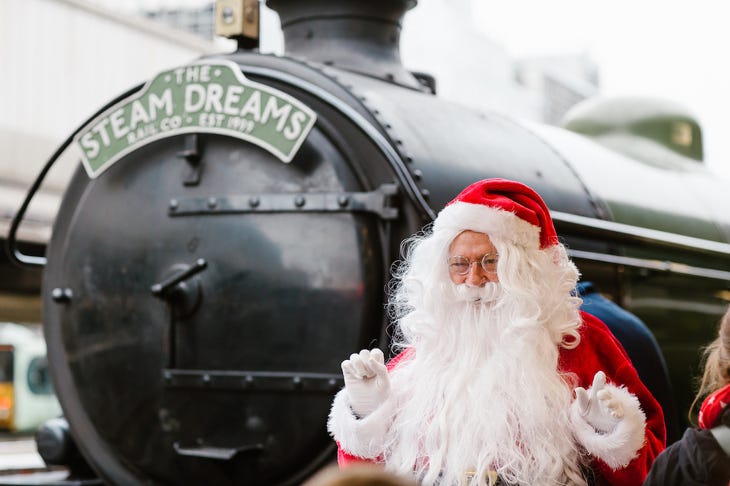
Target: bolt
x: 61, y: 296
x: 227, y: 15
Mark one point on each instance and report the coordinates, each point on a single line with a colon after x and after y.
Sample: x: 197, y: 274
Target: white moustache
x: 469, y: 293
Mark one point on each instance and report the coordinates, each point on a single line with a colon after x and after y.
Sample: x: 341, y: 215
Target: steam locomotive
x: 229, y: 234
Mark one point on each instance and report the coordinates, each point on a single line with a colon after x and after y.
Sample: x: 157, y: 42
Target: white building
x: 65, y: 59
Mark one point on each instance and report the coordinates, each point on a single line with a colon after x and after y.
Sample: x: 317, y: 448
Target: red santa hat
x: 502, y: 208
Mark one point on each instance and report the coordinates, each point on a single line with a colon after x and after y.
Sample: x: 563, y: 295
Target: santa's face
x: 472, y: 259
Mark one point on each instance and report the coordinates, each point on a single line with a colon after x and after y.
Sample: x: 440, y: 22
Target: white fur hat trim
x: 460, y: 216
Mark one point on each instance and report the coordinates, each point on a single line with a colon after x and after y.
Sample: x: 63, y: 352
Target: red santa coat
x: 598, y: 351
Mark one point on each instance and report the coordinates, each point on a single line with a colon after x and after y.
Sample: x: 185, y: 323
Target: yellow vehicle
x: 27, y: 398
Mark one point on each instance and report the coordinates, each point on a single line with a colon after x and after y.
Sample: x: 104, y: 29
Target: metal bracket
x: 379, y: 201
x: 191, y: 153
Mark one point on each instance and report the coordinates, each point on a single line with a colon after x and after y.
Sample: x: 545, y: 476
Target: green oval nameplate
x: 209, y: 97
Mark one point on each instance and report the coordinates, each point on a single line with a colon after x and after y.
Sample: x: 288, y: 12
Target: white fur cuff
x: 363, y: 437
x: 618, y: 447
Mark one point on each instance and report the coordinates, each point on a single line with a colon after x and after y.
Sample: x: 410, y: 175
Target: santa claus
x: 500, y: 378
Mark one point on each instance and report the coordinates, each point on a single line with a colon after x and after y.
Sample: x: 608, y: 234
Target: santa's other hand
x: 366, y: 381
x: 598, y: 406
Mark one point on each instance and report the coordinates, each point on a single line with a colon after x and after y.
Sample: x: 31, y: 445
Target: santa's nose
x: 476, y: 277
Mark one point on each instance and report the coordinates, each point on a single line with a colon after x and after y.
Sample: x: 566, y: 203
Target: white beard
x: 482, y: 393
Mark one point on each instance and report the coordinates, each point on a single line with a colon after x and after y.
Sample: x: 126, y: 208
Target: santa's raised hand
x: 608, y: 421
x: 599, y: 407
x: 366, y: 381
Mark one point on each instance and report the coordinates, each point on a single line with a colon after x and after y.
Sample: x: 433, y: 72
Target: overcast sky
x: 665, y: 48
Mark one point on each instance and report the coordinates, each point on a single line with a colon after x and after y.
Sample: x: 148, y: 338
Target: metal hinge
x: 380, y: 201
x: 259, y: 381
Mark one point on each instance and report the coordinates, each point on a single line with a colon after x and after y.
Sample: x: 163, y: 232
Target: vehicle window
x: 6, y: 364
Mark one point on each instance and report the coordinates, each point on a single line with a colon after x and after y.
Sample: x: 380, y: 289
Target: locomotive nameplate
x: 207, y: 97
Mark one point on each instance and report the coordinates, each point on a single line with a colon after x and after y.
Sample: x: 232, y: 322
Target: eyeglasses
x: 460, y: 265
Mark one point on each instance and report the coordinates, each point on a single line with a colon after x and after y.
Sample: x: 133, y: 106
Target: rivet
x: 254, y: 202
x: 418, y: 174
x: 61, y: 296
x: 212, y: 202
x: 174, y: 204
x: 343, y: 200
x: 299, y: 201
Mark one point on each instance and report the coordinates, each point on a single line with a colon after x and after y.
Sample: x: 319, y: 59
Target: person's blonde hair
x: 716, y: 359
x: 358, y: 475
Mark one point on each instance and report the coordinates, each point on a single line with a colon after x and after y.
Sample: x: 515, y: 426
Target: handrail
x: 649, y: 264
x: 16, y: 256
x: 624, y: 233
